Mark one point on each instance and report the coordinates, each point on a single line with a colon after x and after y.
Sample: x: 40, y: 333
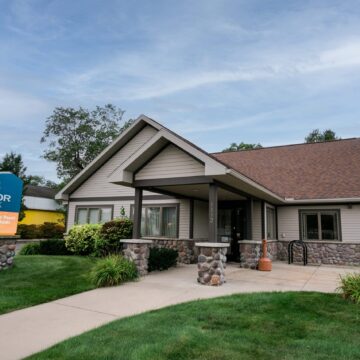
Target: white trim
x: 61, y: 195
x: 124, y: 173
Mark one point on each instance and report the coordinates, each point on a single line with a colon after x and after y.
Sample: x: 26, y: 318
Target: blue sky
x: 215, y: 71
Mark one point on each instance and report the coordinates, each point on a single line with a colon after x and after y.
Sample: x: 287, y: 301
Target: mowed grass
x: 291, y: 325
x: 37, y: 279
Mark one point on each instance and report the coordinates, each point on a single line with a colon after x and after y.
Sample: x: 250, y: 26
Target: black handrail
x: 291, y: 251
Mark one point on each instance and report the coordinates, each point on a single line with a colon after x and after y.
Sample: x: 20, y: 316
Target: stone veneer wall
x: 138, y: 253
x: 211, y: 265
x: 7, y: 252
x: 320, y: 252
x: 186, y: 248
x: 251, y: 251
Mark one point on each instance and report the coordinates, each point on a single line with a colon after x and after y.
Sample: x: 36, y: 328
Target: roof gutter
x: 324, y: 201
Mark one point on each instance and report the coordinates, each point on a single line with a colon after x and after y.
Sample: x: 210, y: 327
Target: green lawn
x: 253, y: 326
x: 37, y: 279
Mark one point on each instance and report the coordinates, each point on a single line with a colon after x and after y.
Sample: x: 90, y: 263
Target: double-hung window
x: 320, y: 224
x: 159, y: 220
x: 270, y: 223
x: 93, y: 214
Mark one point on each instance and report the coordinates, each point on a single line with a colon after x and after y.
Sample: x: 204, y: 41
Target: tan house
x: 178, y: 193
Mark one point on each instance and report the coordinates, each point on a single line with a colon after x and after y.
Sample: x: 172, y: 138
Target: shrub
x: 81, y: 238
x: 51, y: 230
x: 110, y: 235
x: 46, y: 247
x: 47, y: 230
x: 350, y: 287
x: 162, y: 258
x: 28, y: 231
x: 54, y: 247
x: 30, y: 249
x: 113, y: 270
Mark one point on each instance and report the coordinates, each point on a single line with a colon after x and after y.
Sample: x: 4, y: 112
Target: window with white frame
x: 320, y: 224
x: 159, y: 220
x: 93, y: 214
x: 270, y: 223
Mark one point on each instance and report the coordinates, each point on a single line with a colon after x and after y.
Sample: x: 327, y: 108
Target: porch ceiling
x: 198, y: 191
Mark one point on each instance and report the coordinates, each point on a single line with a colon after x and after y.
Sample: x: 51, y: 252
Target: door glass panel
x: 169, y: 222
x: 94, y: 216
x: 82, y: 216
x: 311, y: 226
x: 328, y: 227
x: 153, y: 221
x: 224, y: 225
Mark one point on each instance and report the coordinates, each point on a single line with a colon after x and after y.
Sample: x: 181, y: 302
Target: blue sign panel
x: 10, y: 192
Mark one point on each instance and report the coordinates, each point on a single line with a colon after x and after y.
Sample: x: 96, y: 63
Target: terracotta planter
x: 265, y: 264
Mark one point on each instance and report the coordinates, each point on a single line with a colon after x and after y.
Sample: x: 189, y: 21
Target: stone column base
x: 211, y: 263
x: 138, y: 251
x: 7, y: 251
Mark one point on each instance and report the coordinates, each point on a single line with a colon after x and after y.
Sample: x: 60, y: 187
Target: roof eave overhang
x: 120, y: 141
x: 124, y: 174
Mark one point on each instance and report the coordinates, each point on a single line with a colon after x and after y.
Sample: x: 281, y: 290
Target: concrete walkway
x: 27, y: 331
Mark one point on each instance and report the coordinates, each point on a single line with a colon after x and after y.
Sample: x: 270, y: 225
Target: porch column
x: 249, y: 218
x: 213, y: 212
x: 191, y: 222
x: 137, y: 213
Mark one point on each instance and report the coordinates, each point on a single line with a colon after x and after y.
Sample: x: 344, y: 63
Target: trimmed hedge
x: 48, y: 230
x: 111, y: 232
x: 81, y: 239
x: 162, y: 258
x: 47, y: 247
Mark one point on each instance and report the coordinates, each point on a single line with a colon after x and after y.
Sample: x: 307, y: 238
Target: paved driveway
x: 33, y: 329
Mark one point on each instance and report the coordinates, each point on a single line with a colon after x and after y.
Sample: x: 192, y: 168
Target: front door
x: 231, y: 228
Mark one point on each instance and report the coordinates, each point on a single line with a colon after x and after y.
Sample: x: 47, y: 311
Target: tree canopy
x: 321, y: 136
x: 74, y: 137
x: 242, y: 146
x: 14, y: 163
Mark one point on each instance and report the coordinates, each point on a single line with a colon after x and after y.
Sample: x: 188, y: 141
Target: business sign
x: 10, y: 202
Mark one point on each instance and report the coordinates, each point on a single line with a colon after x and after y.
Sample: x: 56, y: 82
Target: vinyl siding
x: 257, y: 231
x: 171, y: 162
x: 288, y: 221
x: 98, y: 184
x: 184, y: 219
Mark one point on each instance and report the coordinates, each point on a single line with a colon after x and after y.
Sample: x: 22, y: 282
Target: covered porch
x: 215, y: 212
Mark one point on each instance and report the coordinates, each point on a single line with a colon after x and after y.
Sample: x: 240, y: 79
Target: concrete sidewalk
x: 27, y: 331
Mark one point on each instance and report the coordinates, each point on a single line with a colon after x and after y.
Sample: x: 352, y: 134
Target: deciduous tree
x: 74, y: 137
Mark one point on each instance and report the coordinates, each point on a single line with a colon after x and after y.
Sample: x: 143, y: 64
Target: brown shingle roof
x: 325, y: 170
x: 40, y: 191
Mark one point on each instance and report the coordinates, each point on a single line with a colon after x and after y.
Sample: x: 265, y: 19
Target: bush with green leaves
x: 110, y: 235
x: 46, y: 247
x: 54, y: 247
x: 81, y: 238
x: 350, y: 287
x: 30, y: 249
x: 113, y: 270
x: 48, y: 230
x: 162, y: 258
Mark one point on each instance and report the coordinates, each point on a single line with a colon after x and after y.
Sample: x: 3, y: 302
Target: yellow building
x: 41, y: 206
